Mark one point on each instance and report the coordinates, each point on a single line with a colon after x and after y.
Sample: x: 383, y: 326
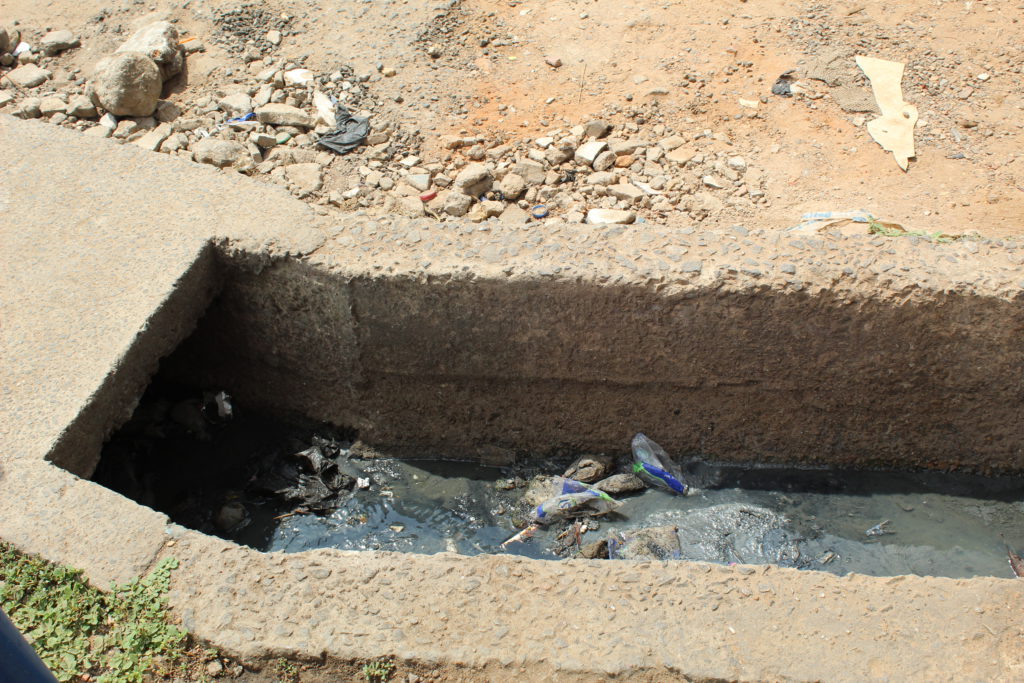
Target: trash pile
x: 576, y: 499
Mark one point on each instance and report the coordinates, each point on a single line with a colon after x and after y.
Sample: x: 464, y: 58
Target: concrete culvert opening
x: 816, y: 427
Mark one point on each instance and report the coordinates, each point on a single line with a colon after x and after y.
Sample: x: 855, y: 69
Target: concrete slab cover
x: 96, y: 239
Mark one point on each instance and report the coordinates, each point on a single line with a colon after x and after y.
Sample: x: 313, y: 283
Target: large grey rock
x: 28, y: 76
x: 559, y: 155
x: 474, y: 180
x: 283, y: 115
x: 5, y: 40
x: 127, y: 84
x: 221, y: 153
x: 159, y: 42
x: 56, y: 42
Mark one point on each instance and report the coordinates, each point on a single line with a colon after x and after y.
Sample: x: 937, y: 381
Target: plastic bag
x: 653, y: 465
x: 573, y: 499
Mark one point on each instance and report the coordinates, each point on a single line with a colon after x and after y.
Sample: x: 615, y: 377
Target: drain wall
x: 503, y: 367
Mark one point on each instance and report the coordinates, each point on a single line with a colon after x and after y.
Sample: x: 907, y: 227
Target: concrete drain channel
x: 508, y: 347
x: 852, y: 436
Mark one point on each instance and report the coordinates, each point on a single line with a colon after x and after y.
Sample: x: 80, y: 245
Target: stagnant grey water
x: 939, y: 525
x: 942, y: 525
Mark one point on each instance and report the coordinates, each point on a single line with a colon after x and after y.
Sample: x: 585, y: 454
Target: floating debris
x: 879, y: 529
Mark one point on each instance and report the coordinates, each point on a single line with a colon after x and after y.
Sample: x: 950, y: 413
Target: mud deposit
x: 211, y: 475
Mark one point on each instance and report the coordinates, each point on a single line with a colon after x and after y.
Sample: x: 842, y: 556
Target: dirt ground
x: 678, y: 67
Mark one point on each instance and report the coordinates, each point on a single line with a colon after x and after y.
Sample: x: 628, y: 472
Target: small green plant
x: 287, y: 672
x: 378, y: 671
x: 76, y: 629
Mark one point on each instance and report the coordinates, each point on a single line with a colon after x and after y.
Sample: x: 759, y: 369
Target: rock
x: 56, y: 42
x: 283, y: 115
x: 419, y: 181
x: 263, y: 140
x: 167, y: 111
x: 654, y: 543
x: 236, y: 104
x: 587, y: 153
x: 274, y: 37
x: 553, y: 62
x: 513, y: 215
x: 610, y: 216
x: 409, y: 206
x: 624, y: 147
x: 6, y: 97
x: 386, y: 183
x: 230, y: 516
x: 456, y: 204
x: 153, y: 139
x: 512, y: 186
x: 604, y: 161
x: 214, y: 668
x: 626, y: 191
x: 590, y: 468
x: 487, y: 209
x: 82, y: 107
x: 5, y: 40
x: 619, y: 484
x: 127, y: 84
x: 601, y: 178
x: 680, y: 155
x: 530, y: 171
x: 51, y: 105
x: 712, y: 181
x: 597, y: 128
x: 27, y: 76
x: 598, y: 550
x: 159, y: 42
x: 305, y: 178
x: 108, y: 121
x: 539, y: 489
x: 670, y: 143
x: 559, y: 154
x: 737, y: 164
x: 474, y: 180
x: 29, y: 108
x: 221, y: 153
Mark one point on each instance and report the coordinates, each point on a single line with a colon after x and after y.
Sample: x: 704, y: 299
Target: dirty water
x: 202, y: 476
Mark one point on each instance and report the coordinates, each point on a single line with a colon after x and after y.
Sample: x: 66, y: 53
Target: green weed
x: 378, y: 671
x: 75, y: 629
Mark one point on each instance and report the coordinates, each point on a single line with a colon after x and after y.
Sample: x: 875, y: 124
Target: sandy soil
x: 680, y: 65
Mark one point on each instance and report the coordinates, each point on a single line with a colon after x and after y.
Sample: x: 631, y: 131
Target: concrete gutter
x: 111, y: 253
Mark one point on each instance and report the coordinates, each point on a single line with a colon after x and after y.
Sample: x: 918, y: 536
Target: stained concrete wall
x: 868, y: 371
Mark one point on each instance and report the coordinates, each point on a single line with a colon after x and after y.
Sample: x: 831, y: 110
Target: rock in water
x: 655, y: 543
x: 618, y: 484
x: 159, y: 42
x: 127, y: 84
x: 590, y: 468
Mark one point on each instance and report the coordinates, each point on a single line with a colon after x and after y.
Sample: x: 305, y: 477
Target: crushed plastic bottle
x: 656, y: 467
